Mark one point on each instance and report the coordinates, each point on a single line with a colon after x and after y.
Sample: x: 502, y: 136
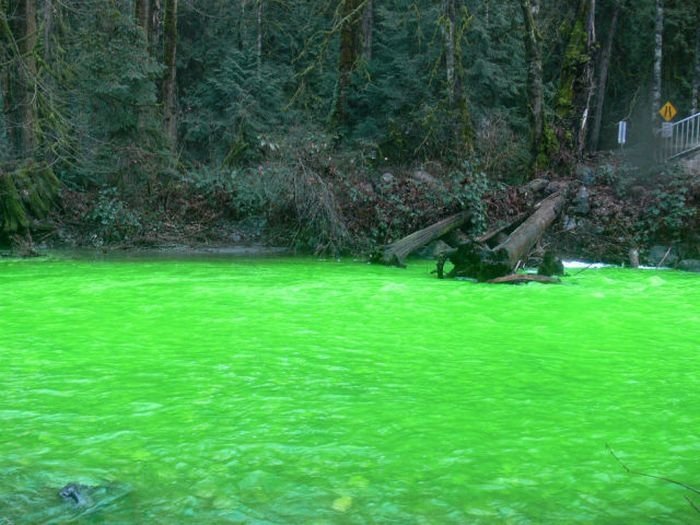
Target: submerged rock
x: 662, y: 255
x: 76, y: 494
x: 90, y: 499
x: 690, y: 265
x: 551, y: 265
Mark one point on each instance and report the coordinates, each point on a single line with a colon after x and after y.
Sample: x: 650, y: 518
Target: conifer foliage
x: 134, y: 93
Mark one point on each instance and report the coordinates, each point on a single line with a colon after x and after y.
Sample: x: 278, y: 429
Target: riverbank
x: 339, y: 206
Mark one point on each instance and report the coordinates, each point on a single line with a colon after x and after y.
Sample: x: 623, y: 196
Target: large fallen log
x: 520, y: 242
x: 476, y: 260
x: 397, y: 252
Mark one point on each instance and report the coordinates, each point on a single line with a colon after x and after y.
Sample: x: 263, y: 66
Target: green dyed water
x: 296, y: 391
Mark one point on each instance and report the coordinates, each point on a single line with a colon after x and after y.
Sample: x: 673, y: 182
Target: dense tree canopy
x: 87, y: 83
x: 131, y: 93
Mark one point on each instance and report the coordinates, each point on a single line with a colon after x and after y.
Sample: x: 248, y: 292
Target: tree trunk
x: 576, y: 81
x: 367, y: 30
x: 396, y: 253
x: 7, y: 55
x: 588, y: 79
x: 521, y: 241
x: 20, y: 76
x: 241, y: 26
x: 169, y: 81
x: 48, y: 29
x: 349, y: 33
x: 535, y: 84
x: 142, y: 14
x: 453, y: 27
x: 695, y: 103
x: 603, y: 79
x: 259, y: 43
x: 450, y: 21
x: 658, y: 59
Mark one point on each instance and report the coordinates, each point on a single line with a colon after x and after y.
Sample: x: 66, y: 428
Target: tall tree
x: 350, y: 15
x: 658, y: 60
x: 453, y: 27
x: 576, y: 81
x: 695, y: 96
x: 602, y: 84
x: 169, y: 81
x: 259, y: 42
x: 142, y: 14
x: 535, y: 83
x: 449, y: 32
x: 367, y: 30
x: 19, y: 36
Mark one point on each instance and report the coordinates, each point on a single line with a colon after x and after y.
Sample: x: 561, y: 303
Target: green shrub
x: 113, y: 219
x: 668, y: 215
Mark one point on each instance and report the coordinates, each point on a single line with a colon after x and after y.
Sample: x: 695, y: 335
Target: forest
x: 340, y: 127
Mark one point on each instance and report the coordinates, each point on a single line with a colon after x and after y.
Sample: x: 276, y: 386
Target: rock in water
x: 76, y: 493
x: 690, y: 265
x: 662, y: 255
x: 550, y: 265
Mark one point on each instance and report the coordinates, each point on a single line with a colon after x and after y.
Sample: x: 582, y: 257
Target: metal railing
x: 682, y: 138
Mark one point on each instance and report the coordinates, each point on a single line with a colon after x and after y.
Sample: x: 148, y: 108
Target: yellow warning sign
x: 668, y: 111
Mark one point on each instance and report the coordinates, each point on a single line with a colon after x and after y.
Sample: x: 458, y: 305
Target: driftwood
x: 517, y: 278
x: 521, y: 241
x: 477, y: 260
x: 487, y: 237
x: 497, y: 253
x: 396, y: 253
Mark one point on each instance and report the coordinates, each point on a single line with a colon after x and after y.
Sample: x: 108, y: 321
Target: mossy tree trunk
x: 170, y: 79
x: 602, y: 83
x: 540, y: 134
x: 453, y: 28
x: 142, y: 15
x: 351, y: 14
x: 658, y: 60
x: 19, y: 37
x: 576, y: 81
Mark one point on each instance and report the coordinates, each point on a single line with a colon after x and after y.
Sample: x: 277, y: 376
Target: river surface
x: 277, y: 390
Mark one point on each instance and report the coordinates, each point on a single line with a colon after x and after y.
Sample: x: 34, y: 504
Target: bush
x: 113, y: 219
x: 669, y: 214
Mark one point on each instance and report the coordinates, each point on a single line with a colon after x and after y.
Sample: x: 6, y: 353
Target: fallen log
x: 520, y: 242
x: 396, y: 253
x: 518, y: 278
x: 476, y: 260
x: 512, y: 224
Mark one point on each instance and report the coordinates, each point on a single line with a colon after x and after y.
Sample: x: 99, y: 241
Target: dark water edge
x: 160, y: 252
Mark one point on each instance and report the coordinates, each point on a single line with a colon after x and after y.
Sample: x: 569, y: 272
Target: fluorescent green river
x: 293, y: 391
